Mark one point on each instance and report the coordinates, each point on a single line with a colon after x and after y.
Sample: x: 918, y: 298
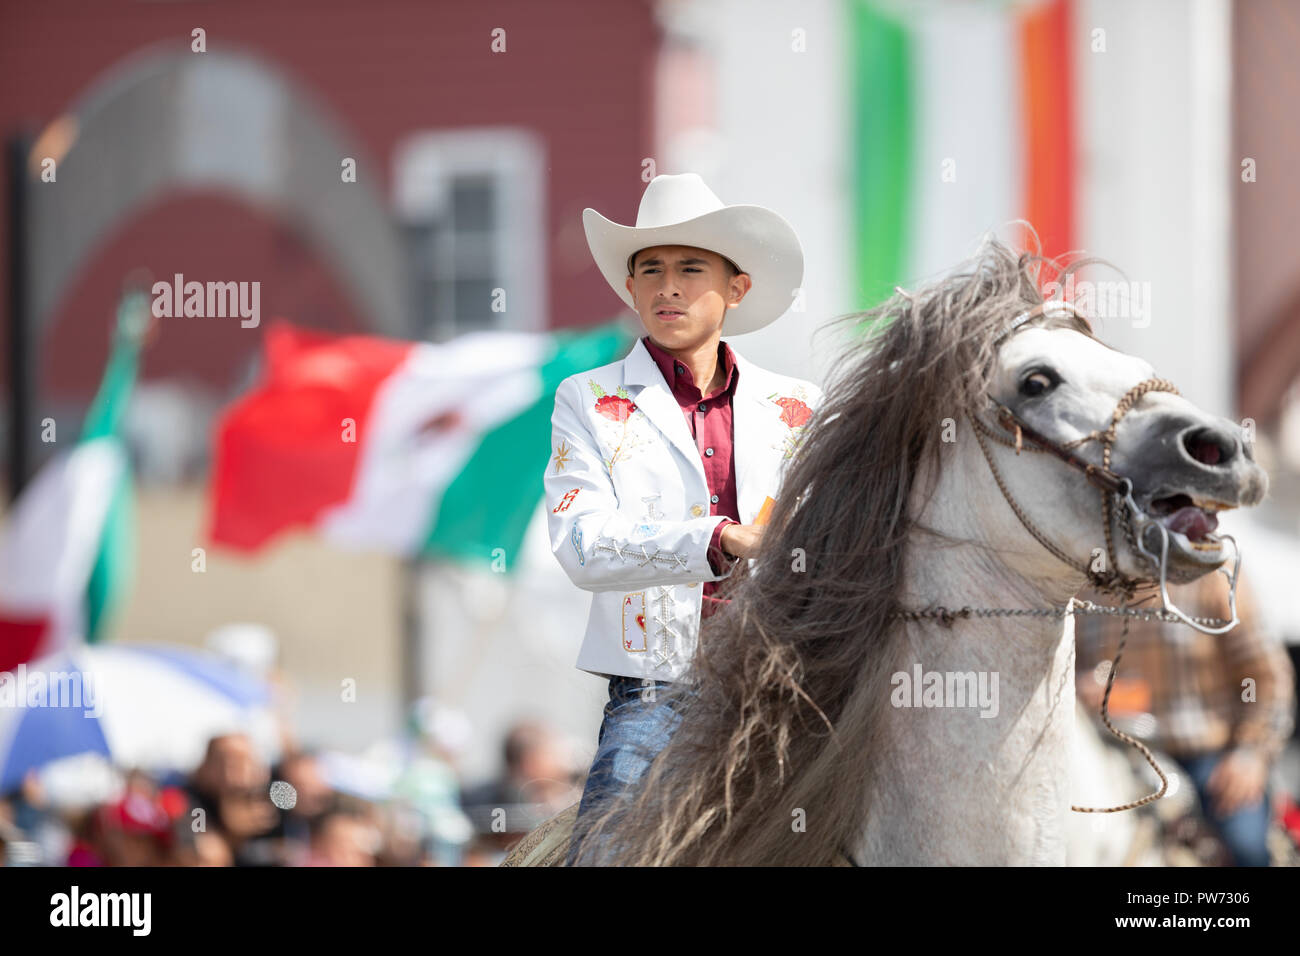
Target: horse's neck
x: 957, y: 787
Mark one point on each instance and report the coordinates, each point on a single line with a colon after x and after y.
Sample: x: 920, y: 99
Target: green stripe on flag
x: 491, y: 502
x: 882, y: 101
x: 112, y: 575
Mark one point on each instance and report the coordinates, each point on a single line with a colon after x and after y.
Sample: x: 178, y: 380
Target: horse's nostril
x: 1210, y: 447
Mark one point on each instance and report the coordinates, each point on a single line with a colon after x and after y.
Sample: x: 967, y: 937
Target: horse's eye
x: 1038, y: 383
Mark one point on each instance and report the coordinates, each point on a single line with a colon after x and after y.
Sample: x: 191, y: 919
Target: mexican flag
x: 67, y: 546
x: 413, y: 448
x: 963, y: 118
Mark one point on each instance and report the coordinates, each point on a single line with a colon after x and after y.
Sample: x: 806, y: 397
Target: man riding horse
x: 664, y: 459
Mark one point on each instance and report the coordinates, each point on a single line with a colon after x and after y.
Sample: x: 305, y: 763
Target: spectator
x: 427, y: 781
x: 537, y: 779
x: 43, y: 838
x: 136, y: 829
x: 232, y: 788
x: 87, y: 840
x: 9, y: 835
x: 309, y: 797
x: 1223, y: 704
x: 342, y: 837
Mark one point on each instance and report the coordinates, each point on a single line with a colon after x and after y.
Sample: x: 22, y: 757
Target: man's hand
x: 1238, y: 780
x: 742, y: 540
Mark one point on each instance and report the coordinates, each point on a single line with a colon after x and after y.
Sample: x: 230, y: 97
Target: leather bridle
x: 1116, y: 493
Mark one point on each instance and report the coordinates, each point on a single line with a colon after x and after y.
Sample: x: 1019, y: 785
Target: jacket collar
x: 640, y: 368
x: 750, y: 409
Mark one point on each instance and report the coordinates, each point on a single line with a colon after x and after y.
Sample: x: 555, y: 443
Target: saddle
x: 547, y: 844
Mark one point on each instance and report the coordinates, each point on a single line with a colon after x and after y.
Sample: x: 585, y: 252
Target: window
x: 470, y: 205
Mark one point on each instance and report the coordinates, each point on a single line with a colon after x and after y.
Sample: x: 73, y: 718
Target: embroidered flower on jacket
x: 615, y: 407
x: 795, y: 413
x: 619, y: 409
x: 561, y: 456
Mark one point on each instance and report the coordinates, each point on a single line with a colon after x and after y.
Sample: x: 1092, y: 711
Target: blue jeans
x: 1244, y: 831
x: 635, y: 728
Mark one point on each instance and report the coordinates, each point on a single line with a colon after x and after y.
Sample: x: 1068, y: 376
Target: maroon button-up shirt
x: 709, y: 419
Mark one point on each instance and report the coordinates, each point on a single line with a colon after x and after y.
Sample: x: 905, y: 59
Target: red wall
x: 577, y: 71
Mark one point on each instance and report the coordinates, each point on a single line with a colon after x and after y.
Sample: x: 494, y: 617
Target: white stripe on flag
x: 967, y: 109
x: 50, y: 540
x: 486, y: 378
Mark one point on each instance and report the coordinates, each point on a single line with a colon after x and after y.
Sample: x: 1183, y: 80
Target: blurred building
x: 218, y: 142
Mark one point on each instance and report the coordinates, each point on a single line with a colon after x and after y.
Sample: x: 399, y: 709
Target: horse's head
x: 1181, y: 464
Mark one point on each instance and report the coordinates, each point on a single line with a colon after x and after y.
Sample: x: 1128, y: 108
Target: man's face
x: 682, y: 293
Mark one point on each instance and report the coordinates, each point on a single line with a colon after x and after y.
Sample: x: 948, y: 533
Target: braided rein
x: 946, y: 617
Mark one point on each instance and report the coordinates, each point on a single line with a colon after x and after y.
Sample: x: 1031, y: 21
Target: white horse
x: 957, y: 790
x: 806, y: 737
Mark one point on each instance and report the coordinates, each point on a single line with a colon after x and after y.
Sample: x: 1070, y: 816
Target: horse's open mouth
x: 1190, y: 520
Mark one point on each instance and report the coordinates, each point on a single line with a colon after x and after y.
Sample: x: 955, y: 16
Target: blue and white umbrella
x: 149, y: 706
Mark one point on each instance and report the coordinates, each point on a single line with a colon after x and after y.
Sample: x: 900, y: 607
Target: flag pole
x: 22, y: 388
x: 412, y: 658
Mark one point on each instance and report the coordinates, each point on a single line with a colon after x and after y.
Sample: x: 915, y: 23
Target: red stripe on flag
x: 281, y: 457
x: 20, y: 637
x: 1047, y: 94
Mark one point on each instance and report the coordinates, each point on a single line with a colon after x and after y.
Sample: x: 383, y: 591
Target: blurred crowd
x: 235, y: 809
x: 1222, y: 706
x: 1219, y: 708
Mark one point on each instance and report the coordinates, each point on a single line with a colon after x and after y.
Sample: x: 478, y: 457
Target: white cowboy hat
x: 680, y: 210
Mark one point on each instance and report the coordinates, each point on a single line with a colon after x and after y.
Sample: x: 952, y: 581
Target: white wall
x: 1154, y: 173
x: 780, y: 141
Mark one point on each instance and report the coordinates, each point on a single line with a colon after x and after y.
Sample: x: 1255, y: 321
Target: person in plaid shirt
x: 1223, y: 705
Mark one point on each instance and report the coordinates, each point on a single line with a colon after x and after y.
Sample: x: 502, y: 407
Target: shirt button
x: 714, y: 499
x: 709, y: 452
x: 703, y: 407
x: 696, y: 510
x: 680, y: 370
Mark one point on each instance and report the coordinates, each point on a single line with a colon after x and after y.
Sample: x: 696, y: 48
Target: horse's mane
x: 771, y: 761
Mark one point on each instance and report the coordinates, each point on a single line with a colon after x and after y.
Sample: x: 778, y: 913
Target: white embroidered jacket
x: 628, y: 504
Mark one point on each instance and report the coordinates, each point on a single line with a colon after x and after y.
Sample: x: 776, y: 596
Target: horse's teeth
x: 1210, y: 505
